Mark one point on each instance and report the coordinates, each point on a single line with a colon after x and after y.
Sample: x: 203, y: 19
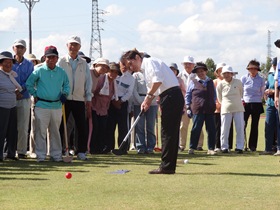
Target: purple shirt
x: 253, y: 88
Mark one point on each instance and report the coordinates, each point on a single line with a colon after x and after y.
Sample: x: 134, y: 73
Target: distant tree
x: 211, y: 67
x: 265, y: 67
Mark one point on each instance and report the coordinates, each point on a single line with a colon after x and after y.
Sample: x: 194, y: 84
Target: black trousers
x: 171, y: 104
x: 117, y: 117
x: 77, y: 108
x: 8, y: 131
x: 255, y: 110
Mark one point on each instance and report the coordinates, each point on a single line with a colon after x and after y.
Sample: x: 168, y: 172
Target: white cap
x: 228, y: 69
x: 74, y: 39
x: 220, y: 65
x: 188, y: 59
x: 101, y: 61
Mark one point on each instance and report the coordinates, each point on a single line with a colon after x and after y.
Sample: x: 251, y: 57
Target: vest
x: 203, y: 98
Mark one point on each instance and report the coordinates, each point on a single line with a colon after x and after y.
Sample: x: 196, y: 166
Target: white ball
x: 186, y: 161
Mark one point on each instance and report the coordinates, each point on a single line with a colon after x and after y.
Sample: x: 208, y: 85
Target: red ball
x: 68, y: 175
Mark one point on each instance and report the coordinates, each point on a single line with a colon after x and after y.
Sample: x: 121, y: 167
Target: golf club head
x: 119, y: 152
x: 67, y: 159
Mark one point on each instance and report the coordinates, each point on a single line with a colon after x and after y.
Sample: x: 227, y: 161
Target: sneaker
x: 81, y: 156
x: 225, y: 151
x: 33, y: 155
x: 181, y: 149
x: 191, y: 151
x: 266, y: 153
x: 22, y: 156
x: 217, y: 150
x: 277, y: 153
x: 199, y: 149
x: 140, y: 151
x: 239, y: 151
x: 56, y: 159
x: 211, y: 152
x: 72, y: 152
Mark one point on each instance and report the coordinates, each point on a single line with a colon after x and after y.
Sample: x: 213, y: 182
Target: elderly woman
x: 253, y: 86
x: 200, y: 100
x: 9, y: 89
x: 229, y: 94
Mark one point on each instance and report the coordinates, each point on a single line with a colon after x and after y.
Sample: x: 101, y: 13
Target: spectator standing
x: 9, y: 87
x: 158, y: 77
x: 271, y: 117
x: 200, y: 100
x: 276, y: 97
x: 187, y: 76
x: 216, y: 81
x: 49, y: 85
x: 105, y: 89
x: 229, y: 94
x: 23, y: 68
x: 118, y: 111
x: 79, y: 100
x: 253, y: 86
x: 145, y: 128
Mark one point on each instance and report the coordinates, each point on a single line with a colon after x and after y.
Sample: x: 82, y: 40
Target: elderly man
x: 23, y: 68
x: 187, y: 76
x: 49, y: 85
x: 79, y: 100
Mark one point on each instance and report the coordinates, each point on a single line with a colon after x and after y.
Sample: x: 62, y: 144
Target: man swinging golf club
x: 160, y: 80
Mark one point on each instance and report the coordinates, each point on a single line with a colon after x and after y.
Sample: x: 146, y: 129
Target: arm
x: 31, y: 83
x: 148, y: 100
x: 88, y: 94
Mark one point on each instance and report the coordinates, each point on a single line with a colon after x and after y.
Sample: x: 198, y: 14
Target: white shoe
x: 33, y: 155
x: 211, y: 152
x: 217, y: 150
x: 277, y: 153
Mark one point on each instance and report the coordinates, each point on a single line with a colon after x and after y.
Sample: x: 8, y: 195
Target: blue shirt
x: 49, y: 85
x: 253, y: 88
x: 23, y: 70
x: 270, y: 85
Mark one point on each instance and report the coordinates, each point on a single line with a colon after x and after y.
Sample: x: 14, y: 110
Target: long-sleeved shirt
x: 253, y: 88
x: 48, y: 84
x: 23, y: 70
x: 229, y: 95
x: 125, y: 84
x: 270, y: 85
x: 140, y: 89
x: 7, y: 92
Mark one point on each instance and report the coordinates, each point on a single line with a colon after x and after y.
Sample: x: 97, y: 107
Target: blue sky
x: 226, y: 31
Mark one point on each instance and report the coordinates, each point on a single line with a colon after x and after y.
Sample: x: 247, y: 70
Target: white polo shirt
x: 154, y: 70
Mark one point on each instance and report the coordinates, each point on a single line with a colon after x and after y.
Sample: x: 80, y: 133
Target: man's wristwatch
x: 150, y: 96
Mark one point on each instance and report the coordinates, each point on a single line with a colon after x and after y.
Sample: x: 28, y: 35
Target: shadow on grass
x: 233, y: 174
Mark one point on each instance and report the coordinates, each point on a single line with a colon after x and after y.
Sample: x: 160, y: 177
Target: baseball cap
x: 74, y: 39
x: 19, y: 42
x: 51, y: 51
x: 82, y: 55
x: 188, y: 59
x: 228, y: 69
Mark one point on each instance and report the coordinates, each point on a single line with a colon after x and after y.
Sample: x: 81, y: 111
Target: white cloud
x: 10, y: 19
x: 185, y: 8
x: 113, y: 10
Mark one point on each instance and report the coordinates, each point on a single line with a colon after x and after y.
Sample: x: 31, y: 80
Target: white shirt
x: 125, y: 84
x: 186, y: 77
x: 154, y: 70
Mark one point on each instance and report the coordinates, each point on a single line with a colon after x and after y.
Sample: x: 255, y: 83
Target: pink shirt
x: 101, y: 103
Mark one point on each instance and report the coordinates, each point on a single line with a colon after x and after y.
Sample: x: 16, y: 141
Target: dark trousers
x: 8, y: 131
x: 98, y: 138
x: 171, y: 104
x: 218, y: 131
x: 77, y: 108
x: 117, y: 117
x: 255, y: 110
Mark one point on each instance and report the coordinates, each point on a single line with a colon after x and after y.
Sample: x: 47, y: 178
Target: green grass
x: 225, y: 181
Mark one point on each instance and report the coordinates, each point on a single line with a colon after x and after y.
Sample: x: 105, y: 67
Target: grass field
x: 225, y: 181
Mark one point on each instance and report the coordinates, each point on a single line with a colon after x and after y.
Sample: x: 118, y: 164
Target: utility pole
x: 29, y: 4
x: 95, y: 43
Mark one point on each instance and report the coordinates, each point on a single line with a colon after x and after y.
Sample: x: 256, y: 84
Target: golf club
x: 157, y: 149
x: 123, y: 147
x: 66, y: 158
